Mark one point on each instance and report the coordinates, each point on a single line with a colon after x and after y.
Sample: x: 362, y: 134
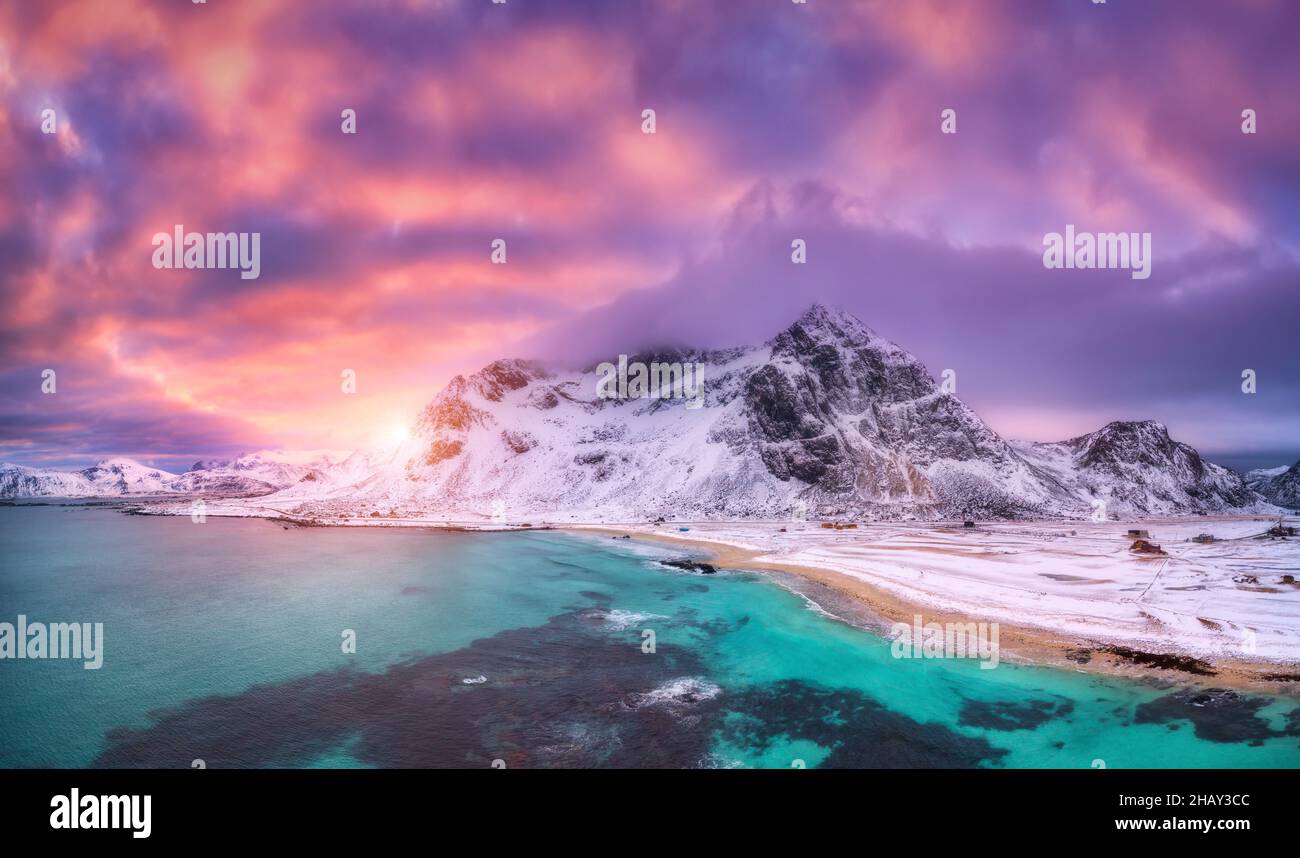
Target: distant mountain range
x: 1280, y: 486
x: 258, y: 473
x: 827, y: 417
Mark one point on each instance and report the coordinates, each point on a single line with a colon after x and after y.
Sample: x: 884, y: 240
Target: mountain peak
x: 120, y: 462
x: 815, y: 312
x: 819, y: 315
x: 1136, y: 426
x: 501, y: 376
x: 826, y: 325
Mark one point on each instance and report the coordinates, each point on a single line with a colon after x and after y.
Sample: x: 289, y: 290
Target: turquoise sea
x: 222, y: 643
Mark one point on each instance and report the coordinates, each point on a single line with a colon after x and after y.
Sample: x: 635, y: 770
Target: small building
x: 1203, y: 538
x: 1138, y: 534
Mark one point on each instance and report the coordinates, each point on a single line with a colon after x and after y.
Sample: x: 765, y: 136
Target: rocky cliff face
x: 862, y: 423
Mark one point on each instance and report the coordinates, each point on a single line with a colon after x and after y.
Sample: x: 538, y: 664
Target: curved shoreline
x: 1019, y: 643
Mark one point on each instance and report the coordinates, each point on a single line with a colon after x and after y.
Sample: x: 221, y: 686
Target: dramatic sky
x: 522, y: 120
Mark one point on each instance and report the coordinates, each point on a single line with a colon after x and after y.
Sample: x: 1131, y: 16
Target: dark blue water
x: 223, y: 643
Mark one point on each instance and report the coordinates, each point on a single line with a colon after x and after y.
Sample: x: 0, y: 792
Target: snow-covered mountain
x: 1135, y: 468
x: 1280, y: 485
x: 828, y: 416
x: 258, y: 473
x: 108, y: 478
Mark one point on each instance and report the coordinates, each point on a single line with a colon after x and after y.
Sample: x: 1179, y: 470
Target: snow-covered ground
x: 1231, y: 598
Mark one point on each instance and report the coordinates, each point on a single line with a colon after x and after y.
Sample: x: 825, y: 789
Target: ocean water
x: 222, y: 643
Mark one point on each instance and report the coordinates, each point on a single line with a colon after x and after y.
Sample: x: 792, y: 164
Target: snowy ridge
x: 1279, y: 486
x: 1135, y: 468
x: 108, y: 478
x: 258, y: 473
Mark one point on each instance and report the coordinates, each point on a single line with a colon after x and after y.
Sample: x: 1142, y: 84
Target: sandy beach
x: 1067, y: 594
